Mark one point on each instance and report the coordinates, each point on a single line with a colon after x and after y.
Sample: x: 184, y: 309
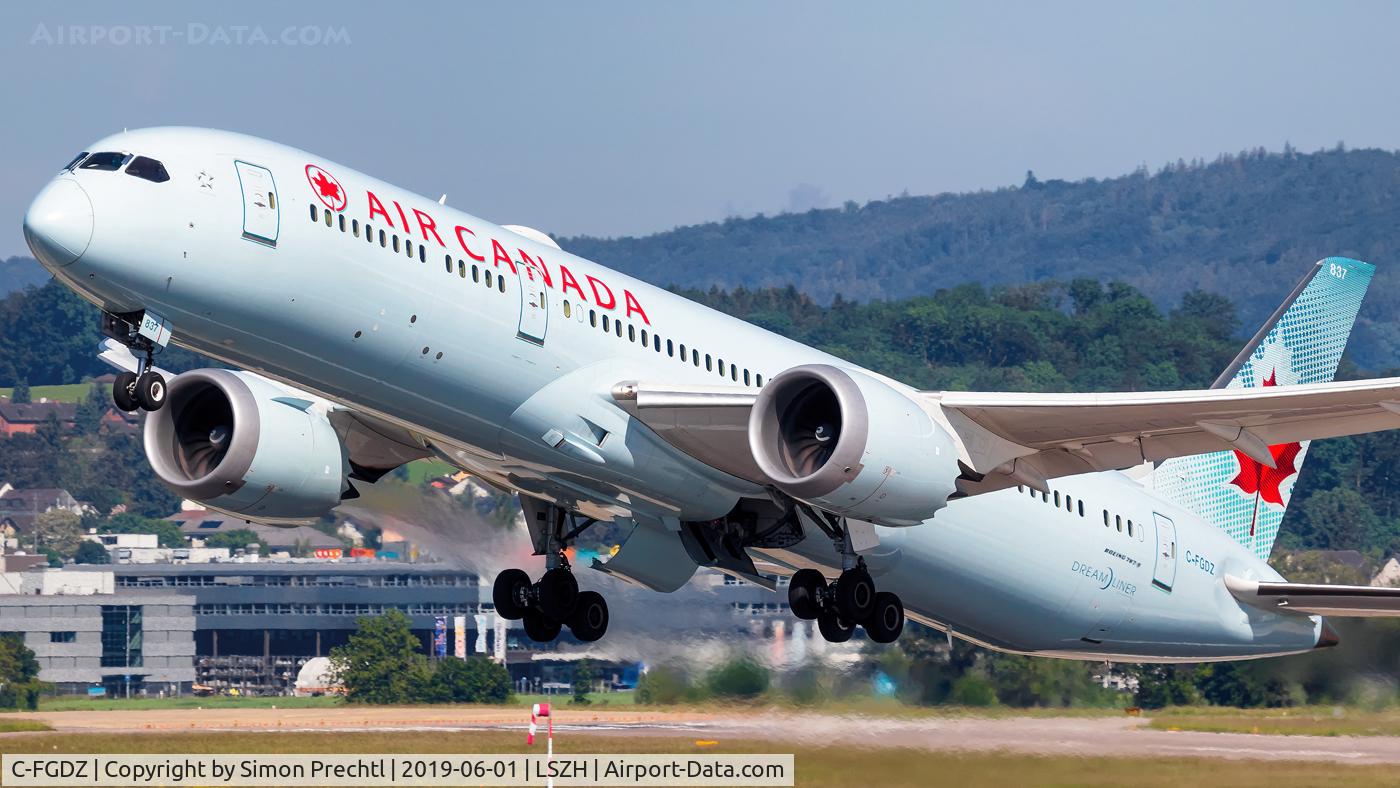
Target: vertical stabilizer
x: 1301, y: 342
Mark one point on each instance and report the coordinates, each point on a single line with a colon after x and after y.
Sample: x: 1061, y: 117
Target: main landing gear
x: 144, y: 389
x: 554, y: 601
x: 849, y: 601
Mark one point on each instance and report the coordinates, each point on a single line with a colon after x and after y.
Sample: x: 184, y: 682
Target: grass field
x: 67, y: 392
x: 1305, y: 721
x: 187, y: 702
x: 19, y: 726
x: 816, y: 766
x: 420, y: 471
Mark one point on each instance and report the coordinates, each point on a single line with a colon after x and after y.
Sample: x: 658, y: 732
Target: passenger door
x: 260, y: 213
x: 534, y: 304
x: 1164, y: 570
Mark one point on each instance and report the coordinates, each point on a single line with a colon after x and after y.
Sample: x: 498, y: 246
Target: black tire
x: 835, y: 627
x: 558, y: 593
x: 508, y: 593
x: 885, y: 624
x: 150, y: 390
x: 124, y: 392
x: 855, y: 594
x: 804, y: 593
x: 590, y: 619
x: 540, y: 628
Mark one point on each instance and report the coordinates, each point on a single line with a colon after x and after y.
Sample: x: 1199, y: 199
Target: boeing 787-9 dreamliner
x: 368, y: 326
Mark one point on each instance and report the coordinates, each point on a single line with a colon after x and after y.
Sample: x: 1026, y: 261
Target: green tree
x: 19, y: 673
x: 20, y: 395
x: 235, y: 540
x: 740, y: 678
x: 471, y: 680
x: 87, y: 418
x: 585, y: 674
x: 663, y: 685
x: 58, y: 530
x: 91, y: 553
x: 1160, y: 686
x: 381, y: 663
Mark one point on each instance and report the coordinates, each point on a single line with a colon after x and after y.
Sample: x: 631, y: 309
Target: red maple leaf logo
x: 327, y: 188
x: 1255, y: 478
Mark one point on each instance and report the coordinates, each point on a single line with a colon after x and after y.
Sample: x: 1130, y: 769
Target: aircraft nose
x: 58, y: 225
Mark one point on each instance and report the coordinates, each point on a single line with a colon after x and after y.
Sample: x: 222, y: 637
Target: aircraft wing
x: 1312, y: 598
x: 1015, y: 438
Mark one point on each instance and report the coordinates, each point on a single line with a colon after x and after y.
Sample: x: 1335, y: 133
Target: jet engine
x: 852, y: 444
x: 240, y: 444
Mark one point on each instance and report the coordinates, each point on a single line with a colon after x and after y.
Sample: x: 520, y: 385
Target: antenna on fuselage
x: 442, y: 200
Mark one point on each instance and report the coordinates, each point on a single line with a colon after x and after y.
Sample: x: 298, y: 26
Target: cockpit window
x: 150, y: 169
x: 70, y: 165
x: 104, y: 161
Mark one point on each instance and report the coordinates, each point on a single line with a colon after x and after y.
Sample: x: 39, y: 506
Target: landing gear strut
x: 554, y: 601
x: 852, y: 599
x: 145, y: 388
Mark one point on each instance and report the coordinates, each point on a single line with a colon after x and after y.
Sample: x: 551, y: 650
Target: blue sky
x: 629, y: 118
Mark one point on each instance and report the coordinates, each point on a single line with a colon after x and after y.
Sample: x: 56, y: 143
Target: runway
x: 1084, y: 736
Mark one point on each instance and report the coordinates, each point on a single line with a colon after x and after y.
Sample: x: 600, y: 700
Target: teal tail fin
x: 1302, y: 342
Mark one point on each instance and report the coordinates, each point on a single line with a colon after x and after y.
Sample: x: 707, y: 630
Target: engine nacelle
x: 238, y: 443
x: 852, y: 444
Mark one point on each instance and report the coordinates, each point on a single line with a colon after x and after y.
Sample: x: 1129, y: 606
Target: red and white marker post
x: 542, y: 710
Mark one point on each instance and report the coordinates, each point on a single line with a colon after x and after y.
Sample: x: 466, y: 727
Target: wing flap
x: 1011, y: 437
x: 1317, y: 599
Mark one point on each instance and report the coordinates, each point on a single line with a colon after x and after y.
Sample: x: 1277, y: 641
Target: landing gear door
x: 260, y: 213
x: 1164, y: 570
x: 534, y: 304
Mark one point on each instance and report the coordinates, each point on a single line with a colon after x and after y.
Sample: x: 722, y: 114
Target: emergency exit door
x: 534, y: 304
x: 260, y: 213
x: 1164, y: 570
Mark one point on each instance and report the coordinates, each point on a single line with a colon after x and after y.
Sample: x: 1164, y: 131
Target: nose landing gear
x: 554, y: 601
x: 144, y: 389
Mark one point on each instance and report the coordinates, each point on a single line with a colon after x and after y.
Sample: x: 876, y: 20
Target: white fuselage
x: 485, y: 357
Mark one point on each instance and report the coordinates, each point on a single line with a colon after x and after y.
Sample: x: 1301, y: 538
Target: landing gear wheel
x: 804, y: 593
x: 887, y: 620
x: 835, y: 627
x: 509, y: 593
x: 558, y: 593
x: 150, y: 390
x: 540, y: 628
x: 124, y: 392
x: 855, y: 594
x: 590, y: 618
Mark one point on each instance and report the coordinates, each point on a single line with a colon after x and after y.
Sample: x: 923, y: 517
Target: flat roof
x: 276, y: 568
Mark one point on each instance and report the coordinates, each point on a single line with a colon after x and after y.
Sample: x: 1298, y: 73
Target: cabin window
x: 329, y: 219
x: 342, y: 222
x: 645, y: 341
x: 1057, y: 499
x: 396, y: 243
x: 355, y: 227
x: 606, y: 324
x: 476, y: 273
x: 383, y: 242
x: 489, y: 283
x: 695, y: 356
x: 758, y: 381
x: 568, y: 311
x: 1081, y: 508
x: 151, y: 170
x: 709, y: 363
x: 656, y: 342
x: 617, y: 328
x: 746, y: 377
x: 1118, y: 521
x: 721, y: 367
x: 734, y: 373
x: 1130, y: 528
x: 422, y: 253
x: 631, y: 333
x: 501, y: 283
x: 593, y: 318
x: 1105, y: 518
x: 671, y: 349
x: 314, y: 216
x: 447, y: 261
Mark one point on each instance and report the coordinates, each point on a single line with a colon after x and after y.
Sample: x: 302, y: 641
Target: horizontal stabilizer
x: 1317, y: 599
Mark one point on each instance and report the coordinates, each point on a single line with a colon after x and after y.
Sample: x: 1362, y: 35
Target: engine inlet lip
x: 765, y: 429
x: 159, y: 435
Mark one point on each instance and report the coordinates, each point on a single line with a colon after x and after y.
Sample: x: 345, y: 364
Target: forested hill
x: 1244, y: 226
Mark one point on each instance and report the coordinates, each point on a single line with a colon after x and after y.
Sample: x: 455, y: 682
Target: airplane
x: 366, y: 326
